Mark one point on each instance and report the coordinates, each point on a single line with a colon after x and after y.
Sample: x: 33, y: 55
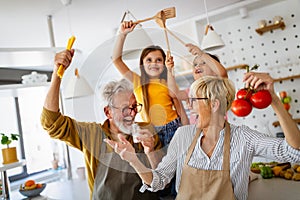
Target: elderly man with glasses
x: 109, y: 177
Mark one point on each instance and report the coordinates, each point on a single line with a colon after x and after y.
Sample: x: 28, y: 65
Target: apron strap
x: 226, y: 148
x: 192, y: 146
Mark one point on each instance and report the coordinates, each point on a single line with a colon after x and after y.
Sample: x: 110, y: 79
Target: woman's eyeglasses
x: 191, y: 100
x: 128, y: 109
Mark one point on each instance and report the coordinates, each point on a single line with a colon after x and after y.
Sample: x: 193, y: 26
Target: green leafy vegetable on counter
x: 266, y: 172
x: 257, y: 165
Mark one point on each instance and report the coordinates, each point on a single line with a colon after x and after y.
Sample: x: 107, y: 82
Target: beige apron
x: 117, y: 180
x: 207, y: 184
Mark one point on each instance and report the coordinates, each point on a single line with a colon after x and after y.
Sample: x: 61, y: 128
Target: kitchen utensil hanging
x: 162, y: 23
x: 160, y: 19
x: 167, y: 14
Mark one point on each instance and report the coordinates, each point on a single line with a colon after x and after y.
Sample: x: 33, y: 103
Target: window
x: 22, y: 116
x: 9, y: 123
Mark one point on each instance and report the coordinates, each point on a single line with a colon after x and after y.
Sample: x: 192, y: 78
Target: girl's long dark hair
x: 144, y: 76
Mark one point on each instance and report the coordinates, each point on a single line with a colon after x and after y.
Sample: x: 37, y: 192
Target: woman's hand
x: 126, y: 27
x: 123, y: 148
x: 259, y: 81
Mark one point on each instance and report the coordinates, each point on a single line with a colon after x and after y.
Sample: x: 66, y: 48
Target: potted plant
x: 9, y: 154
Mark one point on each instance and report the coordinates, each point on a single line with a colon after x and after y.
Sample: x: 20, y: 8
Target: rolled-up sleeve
x: 172, y: 162
x: 270, y: 147
x: 61, y: 127
x: 153, y: 186
x: 290, y: 153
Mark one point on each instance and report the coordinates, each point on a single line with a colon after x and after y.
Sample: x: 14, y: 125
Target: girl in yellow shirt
x: 151, y: 87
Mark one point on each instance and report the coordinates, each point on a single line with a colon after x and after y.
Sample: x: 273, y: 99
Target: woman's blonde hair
x: 213, y: 88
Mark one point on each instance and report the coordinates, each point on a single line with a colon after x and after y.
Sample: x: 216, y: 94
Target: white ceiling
x: 24, y: 22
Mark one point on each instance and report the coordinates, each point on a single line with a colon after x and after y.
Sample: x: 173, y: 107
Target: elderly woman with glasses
x: 109, y: 177
x: 212, y: 158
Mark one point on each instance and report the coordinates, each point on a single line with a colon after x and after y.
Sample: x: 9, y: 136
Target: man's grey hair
x: 114, y: 87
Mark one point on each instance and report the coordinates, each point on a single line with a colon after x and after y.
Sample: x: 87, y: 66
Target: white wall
x: 277, y: 52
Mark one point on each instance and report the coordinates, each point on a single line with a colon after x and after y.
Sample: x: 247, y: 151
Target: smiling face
x: 201, y: 68
x: 153, y: 64
x: 200, y: 108
x: 121, y: 121
x: 219, y: 92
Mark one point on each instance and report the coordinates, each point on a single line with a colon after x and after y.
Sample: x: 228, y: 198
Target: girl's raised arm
x: 125, y: 28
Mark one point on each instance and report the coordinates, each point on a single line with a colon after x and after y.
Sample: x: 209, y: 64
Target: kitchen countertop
x: 75, y: 189
x: 260, y: 189
x: 274, y: 188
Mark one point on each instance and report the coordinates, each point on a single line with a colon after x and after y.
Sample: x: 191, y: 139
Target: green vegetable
x: 266, y: 172
x: 287, y: 99
x: 257, y: 165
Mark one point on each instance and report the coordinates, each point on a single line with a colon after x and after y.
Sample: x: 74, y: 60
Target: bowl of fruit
x: 31, y: 189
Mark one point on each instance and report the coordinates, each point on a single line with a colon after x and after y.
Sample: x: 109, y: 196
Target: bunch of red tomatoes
x: 247, y: 98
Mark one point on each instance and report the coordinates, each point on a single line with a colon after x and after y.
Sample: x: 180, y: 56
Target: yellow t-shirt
x: 161, y: 109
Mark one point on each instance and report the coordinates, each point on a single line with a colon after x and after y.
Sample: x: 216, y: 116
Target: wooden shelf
x: 287, y: 78
x: 275, y: 124
x: 261, y: 31
x: 241, y: 66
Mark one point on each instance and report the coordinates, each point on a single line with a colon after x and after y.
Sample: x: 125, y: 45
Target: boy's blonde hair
x: 213, y: 88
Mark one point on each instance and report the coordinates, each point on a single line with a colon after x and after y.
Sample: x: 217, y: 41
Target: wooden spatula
x: 161, y: 21
x: 167, y: 12
x: 176, y: 37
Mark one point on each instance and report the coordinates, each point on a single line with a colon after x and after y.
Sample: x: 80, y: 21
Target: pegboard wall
x: 277, y: 52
